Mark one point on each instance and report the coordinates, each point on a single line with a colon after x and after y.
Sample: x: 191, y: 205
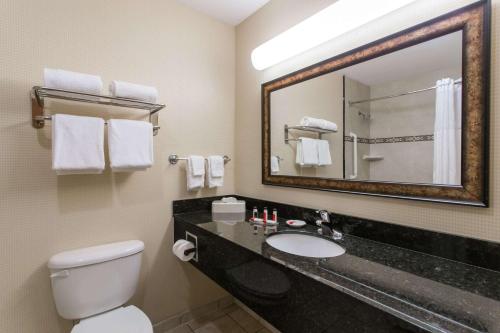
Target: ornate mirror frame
x: 474, y: 22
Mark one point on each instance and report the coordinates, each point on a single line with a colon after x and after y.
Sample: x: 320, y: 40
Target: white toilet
x: 92, y: 284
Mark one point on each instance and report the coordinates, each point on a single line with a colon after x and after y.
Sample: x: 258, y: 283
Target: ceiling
x: 232, y: 12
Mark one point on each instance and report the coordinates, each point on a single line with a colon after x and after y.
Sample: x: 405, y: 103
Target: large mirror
x: 403, y: 117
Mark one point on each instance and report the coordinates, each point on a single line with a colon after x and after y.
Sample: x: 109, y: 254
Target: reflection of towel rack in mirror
x: 38, y: 95
x: 173, y: 159
x: 319, y: 131
x: 354, y: 156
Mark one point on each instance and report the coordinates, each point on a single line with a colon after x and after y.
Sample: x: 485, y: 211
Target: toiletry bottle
x: 275, y: 215
x: 264, y: 217
x: 255, y: 213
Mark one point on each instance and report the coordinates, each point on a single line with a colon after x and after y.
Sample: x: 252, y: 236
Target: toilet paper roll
x: 180, y: 246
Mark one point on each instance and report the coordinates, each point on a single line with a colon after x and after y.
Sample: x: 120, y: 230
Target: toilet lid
x: 122, y: 320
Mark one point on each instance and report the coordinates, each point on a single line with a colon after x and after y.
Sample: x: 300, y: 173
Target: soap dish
x: 373, y: 158
x: 295, y: 223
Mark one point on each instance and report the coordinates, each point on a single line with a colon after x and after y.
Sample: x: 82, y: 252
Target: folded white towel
x: 318, y: 123
x: 77, y: 144
x: 130, y: 145
x: 229, y: 200
x: 324, y: 157
x: 133, y: 91
x: 275, y: 164
x: 307, y: 152
x: 66, y: 80
x: 195, y: 172
x: 215, y: 170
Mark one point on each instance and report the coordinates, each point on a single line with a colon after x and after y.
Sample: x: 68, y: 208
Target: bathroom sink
x: 306, y: 245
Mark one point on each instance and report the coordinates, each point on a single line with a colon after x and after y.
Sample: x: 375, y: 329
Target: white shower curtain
x: 447, y: 133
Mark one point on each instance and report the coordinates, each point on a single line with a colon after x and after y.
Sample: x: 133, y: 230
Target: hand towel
x: 77, y: 144
x: 130, y: 145
x: 324, y: 157
x: 66, y: 80
x: 215, y: 170
x: 195, y: 172
x: 298, y: 153
x: 318, y: 123
x: 307, y: 152
x: 133, y: 91
x: 275, y: 164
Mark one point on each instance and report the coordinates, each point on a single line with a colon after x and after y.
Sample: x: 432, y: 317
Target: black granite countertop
x: 434, y: 293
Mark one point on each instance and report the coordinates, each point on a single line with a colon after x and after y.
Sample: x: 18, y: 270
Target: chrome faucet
x: 327, y: 225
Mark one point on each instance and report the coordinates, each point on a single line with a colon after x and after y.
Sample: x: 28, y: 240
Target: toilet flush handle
x: 60, y: 274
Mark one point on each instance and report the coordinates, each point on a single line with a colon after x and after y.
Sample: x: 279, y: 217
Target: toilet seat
x: 122, y: 320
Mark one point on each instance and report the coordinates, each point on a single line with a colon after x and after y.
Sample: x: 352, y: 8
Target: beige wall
x: 190, y: 58
x: 279, y: 15
x: 319, y: 98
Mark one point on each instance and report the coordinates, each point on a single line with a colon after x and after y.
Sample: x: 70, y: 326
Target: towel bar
x: 173, y: 159
x: 319, y: 131
x: 38, y: 94
x: 49, y: 118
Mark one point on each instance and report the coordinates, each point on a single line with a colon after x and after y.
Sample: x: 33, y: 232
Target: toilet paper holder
x: 188, y: 252
x: 193, y: 239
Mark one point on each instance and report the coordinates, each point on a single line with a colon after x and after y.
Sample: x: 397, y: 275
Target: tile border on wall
x: 393, y: 139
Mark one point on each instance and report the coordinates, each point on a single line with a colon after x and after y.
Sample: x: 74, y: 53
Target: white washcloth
x: 307, y: 152
x: 133, y: 91
x: 324, y: 157
x: 275, y: 164
x: 130, y: 145
x: 77, y: 144
x: 66, y: 80
x: 195, y: 172
x: 319, y: 123
x: 215, y: 170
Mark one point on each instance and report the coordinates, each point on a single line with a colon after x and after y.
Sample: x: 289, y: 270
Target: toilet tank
x: 95, y: 279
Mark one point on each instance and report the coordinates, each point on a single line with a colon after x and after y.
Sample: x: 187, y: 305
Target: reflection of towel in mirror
x: 319, y: 123
x: 275, y: 164
x: 324, y: 157
x: 307, y: 152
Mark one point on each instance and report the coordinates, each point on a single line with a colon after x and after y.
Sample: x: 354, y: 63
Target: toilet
x: 92, y: 285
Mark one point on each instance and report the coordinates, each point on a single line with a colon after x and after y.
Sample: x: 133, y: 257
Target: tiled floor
x: 228, y: 320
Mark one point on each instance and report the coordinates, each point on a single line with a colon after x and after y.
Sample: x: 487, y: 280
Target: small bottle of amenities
x: 255, y: 213
x: 275, y: 215
x: 264, y: 217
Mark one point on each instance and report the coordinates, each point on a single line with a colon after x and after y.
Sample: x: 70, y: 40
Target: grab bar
x: 354, y: 155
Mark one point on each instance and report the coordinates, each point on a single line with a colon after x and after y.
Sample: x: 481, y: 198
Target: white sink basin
x: 305, y: 245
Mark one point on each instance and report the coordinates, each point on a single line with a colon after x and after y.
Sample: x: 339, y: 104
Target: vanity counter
x: 429, y: 293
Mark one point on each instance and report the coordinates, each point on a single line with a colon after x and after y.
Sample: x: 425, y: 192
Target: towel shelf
x: 319, y: 131
x: 173, y: 159
x: 38, y: 95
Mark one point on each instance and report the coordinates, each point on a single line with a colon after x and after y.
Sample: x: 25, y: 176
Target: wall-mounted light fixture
x: 333, y: 21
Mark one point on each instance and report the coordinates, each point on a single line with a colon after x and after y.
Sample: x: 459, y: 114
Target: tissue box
x: 228, y: 210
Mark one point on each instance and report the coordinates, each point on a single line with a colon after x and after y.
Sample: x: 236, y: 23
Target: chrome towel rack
x: 38, y: 95
x: 173, y: 159
x: 49, y: 118
x: 319, y: 131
